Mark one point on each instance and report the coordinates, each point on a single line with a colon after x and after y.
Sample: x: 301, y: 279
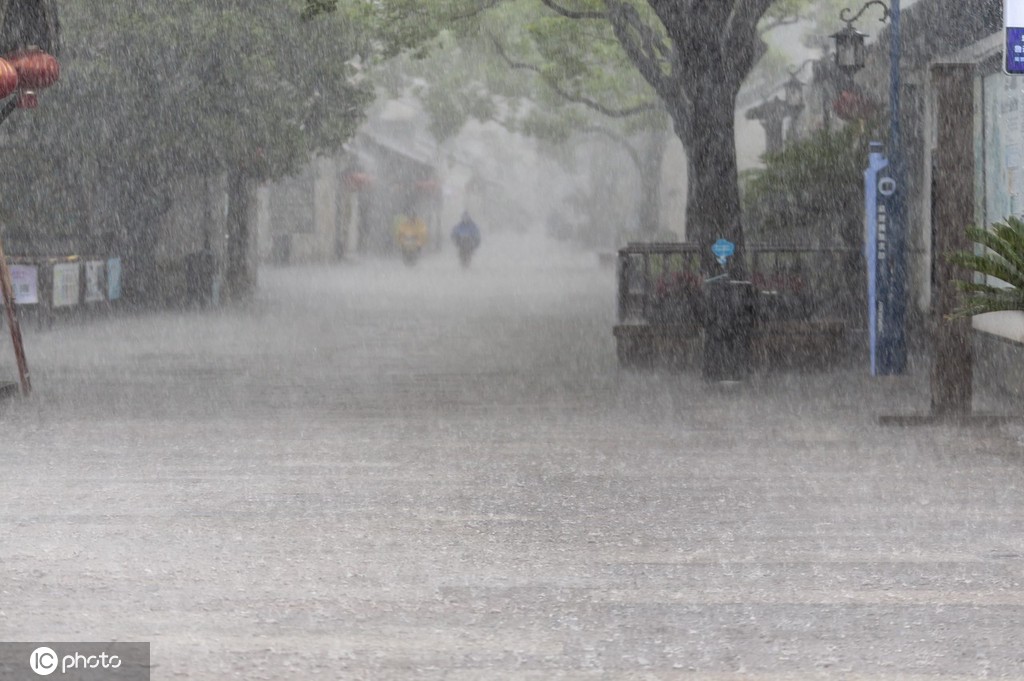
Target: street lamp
x: 772, y: 115
x: 850, y: 41
x: 849, y: 49
x: 793, y: 92
x: 892, y: 303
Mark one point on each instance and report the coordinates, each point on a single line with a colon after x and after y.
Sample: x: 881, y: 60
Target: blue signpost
x: 885, y: 203
x: 885, y: 307
x: 723, y: 250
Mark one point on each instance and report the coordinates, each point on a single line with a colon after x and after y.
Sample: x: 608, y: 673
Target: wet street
x: 380, y: 472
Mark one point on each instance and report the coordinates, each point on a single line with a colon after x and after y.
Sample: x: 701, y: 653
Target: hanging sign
x: 94, y: 281
x: 25, y: 279
x: 65, y: 284
x: 723, y: 250
x: 1013, y: 34
x: 113, y: 278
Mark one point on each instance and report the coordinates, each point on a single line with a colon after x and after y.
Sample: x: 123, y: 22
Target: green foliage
x: 615, y: 57
x: 156, y: 90
x: 455, y: 78
x: 818, y: 19
x: 582, y: 60
x: 1002, y: 259
x: 810, y: 191
x: 315, y: 8
x: 539, y: 71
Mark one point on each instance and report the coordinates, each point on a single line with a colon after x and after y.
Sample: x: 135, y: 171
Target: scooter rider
x: 411, y: 234
x: 466, y: 236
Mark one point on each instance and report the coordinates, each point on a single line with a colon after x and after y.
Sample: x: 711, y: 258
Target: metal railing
x: 660, y: 283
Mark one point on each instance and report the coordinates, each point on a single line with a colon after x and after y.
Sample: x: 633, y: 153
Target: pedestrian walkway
x: 381, y: 472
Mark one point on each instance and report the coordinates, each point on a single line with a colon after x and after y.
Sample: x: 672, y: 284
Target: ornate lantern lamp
x: 850, y: 41
x: 794, y: 93
x: 849, y: 49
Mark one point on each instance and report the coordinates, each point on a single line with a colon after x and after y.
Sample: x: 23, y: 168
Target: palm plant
x: 1003, y: 259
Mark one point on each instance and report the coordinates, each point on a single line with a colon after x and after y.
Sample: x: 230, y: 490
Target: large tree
x: 515, y: 66
x: 590, y: 88
x: 694, y: 54
x: 154, y: 91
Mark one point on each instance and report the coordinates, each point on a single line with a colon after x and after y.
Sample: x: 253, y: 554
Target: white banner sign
x: 26, y: 284
x: 65, y: 284
x: 113, y: 278
x: 94, y: 281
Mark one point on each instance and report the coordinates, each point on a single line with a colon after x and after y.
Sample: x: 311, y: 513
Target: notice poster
x: 1002, y: 148
x: 113, y: 278
x: 25, y: 279
x: 65, y: 284
x: 94, y: 281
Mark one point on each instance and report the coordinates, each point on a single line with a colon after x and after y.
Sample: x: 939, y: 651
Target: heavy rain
x: 515, y: 339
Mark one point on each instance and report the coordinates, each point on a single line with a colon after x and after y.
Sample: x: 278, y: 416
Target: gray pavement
x: 375, y: 472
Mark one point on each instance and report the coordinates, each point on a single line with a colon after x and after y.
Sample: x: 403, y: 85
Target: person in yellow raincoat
x: 411, y: 235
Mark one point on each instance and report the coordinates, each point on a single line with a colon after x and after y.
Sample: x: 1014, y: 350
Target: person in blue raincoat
x: 466, y: 235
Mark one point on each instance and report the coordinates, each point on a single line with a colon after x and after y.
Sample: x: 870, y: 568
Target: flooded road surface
x: 377, y: 472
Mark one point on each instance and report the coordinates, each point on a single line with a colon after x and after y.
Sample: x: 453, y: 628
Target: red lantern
x: 428, y: 186
x: 854, y: 106
x: 356, y: 181
x: 8, y: 78
x: 36, y: 69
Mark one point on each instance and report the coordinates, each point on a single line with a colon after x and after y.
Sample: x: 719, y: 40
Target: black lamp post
x: 794, y: 93
x: 892, y: 304
x: 794, y: 87
x: 772, y: 115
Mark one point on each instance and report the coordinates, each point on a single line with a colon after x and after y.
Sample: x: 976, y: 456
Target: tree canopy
x: 693, y: 55
x: 154, y: 90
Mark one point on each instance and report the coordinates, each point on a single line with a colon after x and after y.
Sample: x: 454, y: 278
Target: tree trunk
x: 651, y: 159
x: 713, y: 204
x: 240, y: 278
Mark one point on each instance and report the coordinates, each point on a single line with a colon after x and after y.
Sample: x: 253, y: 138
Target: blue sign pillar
x: 885, y: 323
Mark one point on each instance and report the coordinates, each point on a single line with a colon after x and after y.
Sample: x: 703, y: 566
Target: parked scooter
x: 411, y: 236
